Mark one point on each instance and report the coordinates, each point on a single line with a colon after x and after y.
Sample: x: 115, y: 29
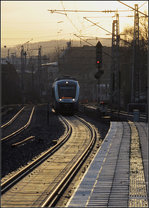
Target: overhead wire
x: 88, y: 20
x: 91, y: 44
x: 70, y: 10
x: 132, y: 8
x: 106, y: 30
x: 142, y: 4
x: 79, y: 31
x: 105, y: 11
x: 82, y: 23
x: 68, y: 17
x: 97, y: 25
x: 71, y: 21
x: 78, y: 16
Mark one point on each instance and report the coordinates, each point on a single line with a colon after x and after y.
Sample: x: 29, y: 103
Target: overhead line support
x: 115, y: 68
x: 97, y: 25
x: 133, y: 8
x: 69, y: 10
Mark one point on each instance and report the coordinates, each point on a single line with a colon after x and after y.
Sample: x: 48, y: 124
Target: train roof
x: 65, y: 77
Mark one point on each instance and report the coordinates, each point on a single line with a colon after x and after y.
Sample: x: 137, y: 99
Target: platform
x: 118, y: 174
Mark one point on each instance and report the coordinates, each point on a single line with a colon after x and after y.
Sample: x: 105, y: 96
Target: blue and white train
x: 65, y: 95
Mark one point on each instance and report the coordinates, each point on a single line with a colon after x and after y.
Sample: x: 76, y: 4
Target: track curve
x: 40, y: 187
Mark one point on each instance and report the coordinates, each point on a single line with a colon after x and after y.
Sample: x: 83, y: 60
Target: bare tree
x: 143, y: 33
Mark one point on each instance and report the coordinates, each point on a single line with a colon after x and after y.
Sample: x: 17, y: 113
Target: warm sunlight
x: 26, y: 20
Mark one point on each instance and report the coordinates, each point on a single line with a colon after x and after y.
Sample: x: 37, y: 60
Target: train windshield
x: 67, y: 91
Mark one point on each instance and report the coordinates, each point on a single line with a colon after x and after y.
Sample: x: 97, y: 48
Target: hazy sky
x: 23, y: 21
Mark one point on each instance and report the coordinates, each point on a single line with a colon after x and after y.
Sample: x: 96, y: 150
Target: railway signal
x: 99, y: 55
x: 99, y: 74
x: 99, y: 60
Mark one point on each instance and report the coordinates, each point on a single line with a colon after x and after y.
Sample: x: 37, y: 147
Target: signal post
x: 98, y: 65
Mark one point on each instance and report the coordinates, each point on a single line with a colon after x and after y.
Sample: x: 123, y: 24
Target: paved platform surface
x: 118, y: 174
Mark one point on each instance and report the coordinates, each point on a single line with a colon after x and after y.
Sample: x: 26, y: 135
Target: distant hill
x: 49, y: 48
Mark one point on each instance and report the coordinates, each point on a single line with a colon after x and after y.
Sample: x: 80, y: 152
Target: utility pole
x: 8, y: 54
x: 22, y: 72
x: 32, y: 77
x: 25, y: 54
x: 115, y: 67
x: 39, y: 70
x: 136, y: 62
x: 135, y: 9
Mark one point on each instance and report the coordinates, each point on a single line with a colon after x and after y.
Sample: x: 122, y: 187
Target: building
x: 49, y: 72
x: 80, y: 62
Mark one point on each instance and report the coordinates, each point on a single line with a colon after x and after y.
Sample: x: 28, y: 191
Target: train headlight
x: 60, y: 99
x: 73, y: 99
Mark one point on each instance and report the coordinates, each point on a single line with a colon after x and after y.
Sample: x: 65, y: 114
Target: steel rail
x: 6, y: 185
x: 23, y: 141
x: 21, y: 129
x: 53, y: 198
x: 12, y: 119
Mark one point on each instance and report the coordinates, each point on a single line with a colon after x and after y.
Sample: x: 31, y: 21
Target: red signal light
x: 98, y: 62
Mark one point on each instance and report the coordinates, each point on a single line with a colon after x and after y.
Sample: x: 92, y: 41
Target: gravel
x: 14, y: 157
x: 46, y: 131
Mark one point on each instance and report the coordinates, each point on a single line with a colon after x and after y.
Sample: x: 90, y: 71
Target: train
x: 65, y: 95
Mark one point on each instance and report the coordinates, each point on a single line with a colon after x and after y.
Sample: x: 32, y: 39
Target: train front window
x: 67, y: 91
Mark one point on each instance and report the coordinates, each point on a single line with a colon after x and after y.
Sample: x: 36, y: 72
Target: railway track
x: 7, y: 110
x: 7, y: 184
x: 115, y: 177
x: 12, y: 119
x: 12, y: 127
x: 41, y: 183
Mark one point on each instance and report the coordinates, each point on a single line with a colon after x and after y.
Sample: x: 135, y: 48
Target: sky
x: 23, y: 21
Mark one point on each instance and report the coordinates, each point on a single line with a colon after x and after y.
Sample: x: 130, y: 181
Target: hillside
x: 49, y: 48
